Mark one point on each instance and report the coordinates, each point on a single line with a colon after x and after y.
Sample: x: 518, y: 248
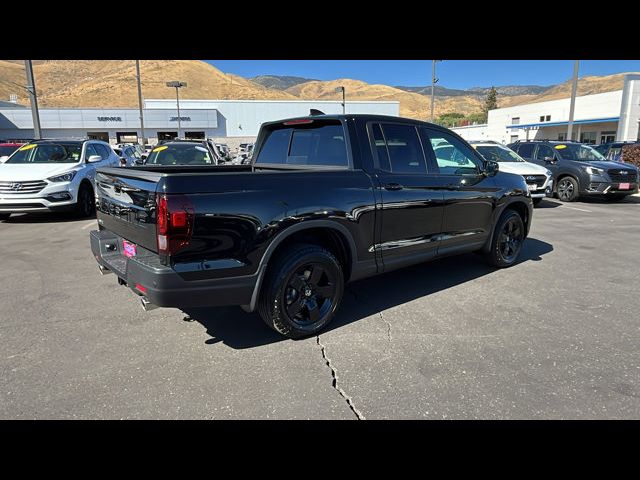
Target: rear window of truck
x: 317, y: 143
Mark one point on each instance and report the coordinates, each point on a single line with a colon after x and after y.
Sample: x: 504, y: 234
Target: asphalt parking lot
x: 556, y: 336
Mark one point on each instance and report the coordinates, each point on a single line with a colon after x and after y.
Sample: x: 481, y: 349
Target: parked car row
x: 580, y: 170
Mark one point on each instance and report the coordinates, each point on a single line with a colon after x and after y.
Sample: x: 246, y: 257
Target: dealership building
x: 230, y: 121
x: 598, y: 118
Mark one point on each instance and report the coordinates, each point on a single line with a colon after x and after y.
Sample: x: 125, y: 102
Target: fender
x: 286, y: 233
x: 501, y: 208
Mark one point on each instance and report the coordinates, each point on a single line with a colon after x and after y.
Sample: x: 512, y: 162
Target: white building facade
x: 598, y: 118
x: 230, y: 121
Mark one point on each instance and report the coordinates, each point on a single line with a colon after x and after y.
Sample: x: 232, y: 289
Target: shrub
x: 631, y: 154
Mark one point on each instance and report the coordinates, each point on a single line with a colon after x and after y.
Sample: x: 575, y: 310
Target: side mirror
x: 550, y: 160
x: 491, y: 168
x: 144, y: 156
x: 140, y: 161
x: 94, y: 159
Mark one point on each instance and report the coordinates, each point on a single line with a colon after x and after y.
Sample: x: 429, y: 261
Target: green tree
x: 491, y: 103
x: 478, y: 117
x: 449, y: 119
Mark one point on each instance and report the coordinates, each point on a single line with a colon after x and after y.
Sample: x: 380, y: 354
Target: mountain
x: 279, y: 82
x: 511, y: 90
x: 112, y: 83
x: 438, y: 91
x: 412, y: 104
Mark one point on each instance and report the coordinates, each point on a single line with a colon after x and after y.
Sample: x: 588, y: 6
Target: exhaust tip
x: 104, y: 270
x: 147, y: 305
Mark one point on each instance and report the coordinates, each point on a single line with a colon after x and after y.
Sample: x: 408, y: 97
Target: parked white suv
x: 53, y: 175
x: 538, y: 178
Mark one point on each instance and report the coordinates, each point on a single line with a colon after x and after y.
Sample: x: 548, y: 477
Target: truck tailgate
x: 126, y: 204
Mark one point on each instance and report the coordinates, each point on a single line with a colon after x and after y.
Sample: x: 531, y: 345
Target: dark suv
x: 613, y: 150
x: 579, y: 170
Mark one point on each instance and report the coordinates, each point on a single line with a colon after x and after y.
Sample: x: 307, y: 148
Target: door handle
x: 393, y: 186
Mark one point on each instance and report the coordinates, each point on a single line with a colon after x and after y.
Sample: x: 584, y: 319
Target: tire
x: 302, y: 291
x: 4, y: 216
x: 508, y: 237
x: 536, y: 201
x: 85, y: 204
x: 567, y: 189
x: 615, y: 198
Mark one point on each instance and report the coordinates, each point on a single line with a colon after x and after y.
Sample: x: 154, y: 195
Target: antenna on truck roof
x: 314, y: 112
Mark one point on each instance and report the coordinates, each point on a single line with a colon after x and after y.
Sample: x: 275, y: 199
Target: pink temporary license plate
x: 624, y: 186
x: 129, y: 249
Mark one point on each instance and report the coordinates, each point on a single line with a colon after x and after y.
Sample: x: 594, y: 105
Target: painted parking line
x: 579, y: 209
x: 89, y: 225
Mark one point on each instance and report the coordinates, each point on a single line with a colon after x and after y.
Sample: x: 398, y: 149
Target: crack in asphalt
x: 388, y: 327
x: 334, y: 383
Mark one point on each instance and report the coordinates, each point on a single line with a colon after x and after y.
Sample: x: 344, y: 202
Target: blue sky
x: 452, y: 73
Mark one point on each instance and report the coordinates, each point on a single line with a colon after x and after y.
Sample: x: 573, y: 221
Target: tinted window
x: 380, y: 147
x: 319, y: 146
x: 405, y: 151
x: 544, y: 151
x: 275, y: 147
x: 453, y: 156
x: 525, y: 150
x: 318, y: 143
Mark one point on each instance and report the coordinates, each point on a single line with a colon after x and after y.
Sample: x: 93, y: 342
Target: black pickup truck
x: 327, y: 199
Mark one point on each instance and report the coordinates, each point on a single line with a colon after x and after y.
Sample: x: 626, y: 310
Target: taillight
x: 174, y: 223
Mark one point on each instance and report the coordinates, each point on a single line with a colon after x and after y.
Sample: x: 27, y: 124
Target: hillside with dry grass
x: 112, y: 83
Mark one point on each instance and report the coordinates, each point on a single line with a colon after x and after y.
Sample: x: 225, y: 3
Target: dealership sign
x: 182, y: 119
x: 109, y: 119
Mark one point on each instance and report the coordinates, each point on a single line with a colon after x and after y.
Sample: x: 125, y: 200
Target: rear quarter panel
x: 240, y: 215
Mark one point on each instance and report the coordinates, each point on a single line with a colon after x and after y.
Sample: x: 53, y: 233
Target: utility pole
x: 434, y: 80
x: 33, y: 99
x: 344, y: 108
x: 574, y: 88
x: 140, y: 102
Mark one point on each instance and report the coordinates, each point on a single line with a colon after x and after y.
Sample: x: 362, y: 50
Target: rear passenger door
x: 545, y: 152
x: 526, y: 150
x: 411, y: 212
x: 469, y: 195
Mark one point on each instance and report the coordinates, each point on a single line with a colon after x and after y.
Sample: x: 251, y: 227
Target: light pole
x: 344, y: 108
x: 572, y: 106
x: 177, y: 85
x: 140, y: 101
x: 33, y: 99
x: 434, y: 80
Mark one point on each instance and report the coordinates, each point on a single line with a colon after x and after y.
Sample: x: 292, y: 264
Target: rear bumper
x: 164, y: 286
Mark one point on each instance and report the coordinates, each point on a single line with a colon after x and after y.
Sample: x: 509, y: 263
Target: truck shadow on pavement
x: 239, y: 330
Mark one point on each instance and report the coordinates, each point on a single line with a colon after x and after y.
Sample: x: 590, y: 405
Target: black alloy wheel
x: 301, y: 291
x: 310, y: 294
x: 507, y: 240
x: 510, y: 239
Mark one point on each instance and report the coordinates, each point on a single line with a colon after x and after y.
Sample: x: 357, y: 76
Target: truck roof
x: 365, y: 116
